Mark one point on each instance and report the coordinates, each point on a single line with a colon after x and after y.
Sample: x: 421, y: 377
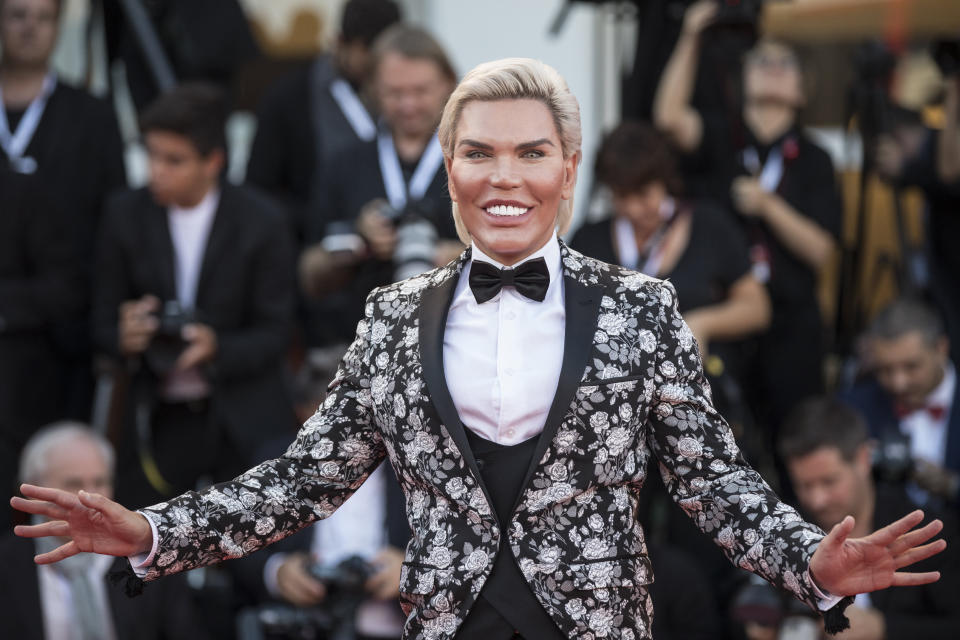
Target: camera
x: 168, y: 343
x: 891, y: 457
x: 738, y: 13
x: 334, y: 619
x: 946, y: 53
x: 416, y: 240
x: 344, y: 579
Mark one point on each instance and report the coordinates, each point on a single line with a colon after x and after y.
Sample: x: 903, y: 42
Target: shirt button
x: 509, y: 371
x: 511, y: 433
x: 511, y: 315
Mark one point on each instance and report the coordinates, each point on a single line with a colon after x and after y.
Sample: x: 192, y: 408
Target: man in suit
x: 828, y: 455
x: 312, y: 114
x: 519, y: 409
x: 39, y: 285
x: 912, y: 396
x: 74, y: 601
x: 194, y: 293
x: 69, y: 140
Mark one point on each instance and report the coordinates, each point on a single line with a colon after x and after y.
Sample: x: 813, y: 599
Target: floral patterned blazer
x: 631, y: 393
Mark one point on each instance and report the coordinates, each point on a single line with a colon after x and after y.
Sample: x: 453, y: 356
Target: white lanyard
x: 353, y: 110
x: 15, y: 144
x: 629, y: 252
x: 397, y: 191
x: 772, y: 171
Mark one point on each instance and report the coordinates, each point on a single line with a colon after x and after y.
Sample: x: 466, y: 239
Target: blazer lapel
x: 581, y: 303
x: 434, y: 306
x: 217, y: 242
x: 161, y: 245
x: 952, y: 458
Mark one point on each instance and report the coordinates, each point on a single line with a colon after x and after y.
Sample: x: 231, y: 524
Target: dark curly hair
x: 634, y: 155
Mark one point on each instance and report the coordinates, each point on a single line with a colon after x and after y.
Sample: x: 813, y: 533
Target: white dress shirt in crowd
x: 189, y: 231
x: 352, y: 531
x: 56, y: 600
x: 502, y: 358
x: 928, y: 435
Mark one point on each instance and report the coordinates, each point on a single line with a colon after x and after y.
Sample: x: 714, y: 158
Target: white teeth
x: 507, y: 210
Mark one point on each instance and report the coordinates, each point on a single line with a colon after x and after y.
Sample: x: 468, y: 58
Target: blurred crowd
x: 155, y: 340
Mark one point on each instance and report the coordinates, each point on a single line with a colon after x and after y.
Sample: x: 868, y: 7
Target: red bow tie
x: 936, y: 411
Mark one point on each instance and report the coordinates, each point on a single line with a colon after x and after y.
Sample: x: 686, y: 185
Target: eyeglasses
x: 770, y: 61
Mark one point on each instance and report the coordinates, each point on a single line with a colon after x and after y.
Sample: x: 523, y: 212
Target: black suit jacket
x: 931, y: 611
x: 245, y: 294
x: 876, y: 405
x: 300, y: 132
x: 164, y: 613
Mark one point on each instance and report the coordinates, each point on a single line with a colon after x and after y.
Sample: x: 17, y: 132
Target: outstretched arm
x: 92, y: 522
x: 847, y: 566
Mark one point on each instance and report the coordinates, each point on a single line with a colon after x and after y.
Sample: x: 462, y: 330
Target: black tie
x: 530, y: 279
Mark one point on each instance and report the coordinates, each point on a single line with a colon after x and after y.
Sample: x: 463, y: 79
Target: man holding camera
x: 828, y: 455
x: 911, y: 402
x: 194, y: 294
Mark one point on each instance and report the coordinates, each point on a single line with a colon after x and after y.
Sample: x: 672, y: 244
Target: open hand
x: 88, y: 521
x: 848, y: 566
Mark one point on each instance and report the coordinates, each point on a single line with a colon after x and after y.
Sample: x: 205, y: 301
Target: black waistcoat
x: 506, y: 604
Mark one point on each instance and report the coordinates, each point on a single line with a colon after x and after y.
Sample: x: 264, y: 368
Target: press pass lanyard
x: 353, y: 110
x: 627, y: 248
x: 397, y: 190
x: 769, y: 177
x: 15, y: 144
x: 771, y: 173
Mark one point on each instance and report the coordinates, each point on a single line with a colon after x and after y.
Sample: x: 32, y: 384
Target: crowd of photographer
x: 206, y: 310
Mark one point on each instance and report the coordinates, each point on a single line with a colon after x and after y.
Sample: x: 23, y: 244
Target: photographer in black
x: 384, y: 211
x: 826, y: 447
x: 752, y: 155
x: 193, y: 296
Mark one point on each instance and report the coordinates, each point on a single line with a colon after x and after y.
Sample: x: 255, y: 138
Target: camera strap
x: 15, y: 143
x: 652, y: 252
x: 353, y: 110
x: 397, y: 191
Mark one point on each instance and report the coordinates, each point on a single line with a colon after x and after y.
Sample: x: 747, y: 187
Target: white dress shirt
x: 189, y: 231
x: 928, y: 436
x: 56, y: 600
x: 502, y: 358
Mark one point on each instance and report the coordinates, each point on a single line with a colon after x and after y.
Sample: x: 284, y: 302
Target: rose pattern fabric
x: 642, y: 400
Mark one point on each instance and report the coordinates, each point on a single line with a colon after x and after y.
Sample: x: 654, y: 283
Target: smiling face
x: 28, y: 31
x: 411, y: 93
x: 508, y: 176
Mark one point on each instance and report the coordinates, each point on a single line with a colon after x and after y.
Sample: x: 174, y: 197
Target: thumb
x: 840, y: 532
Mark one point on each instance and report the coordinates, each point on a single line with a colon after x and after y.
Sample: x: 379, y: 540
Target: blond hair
x: 515, y: 79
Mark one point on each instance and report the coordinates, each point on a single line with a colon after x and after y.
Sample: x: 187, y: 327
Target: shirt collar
x: 942, y: 395
x: 207, y: 205
x: 550, y: 252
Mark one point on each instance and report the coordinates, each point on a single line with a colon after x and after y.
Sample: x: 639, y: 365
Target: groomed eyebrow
x: 467, y: 142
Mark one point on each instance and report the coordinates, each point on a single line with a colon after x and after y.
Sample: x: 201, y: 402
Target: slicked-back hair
x: 411, y: 42
x: 904, y: 316
x: 822, y: 422
x: 515, y: 79
x: 364, y: 20
x: 34, y: 459
x: 194, y: 110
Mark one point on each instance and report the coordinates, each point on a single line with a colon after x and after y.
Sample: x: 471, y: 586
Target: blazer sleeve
x: 332, y: 455
x: 706, y: 474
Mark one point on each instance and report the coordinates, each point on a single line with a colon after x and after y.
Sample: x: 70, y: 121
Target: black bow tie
x: 530, y: 279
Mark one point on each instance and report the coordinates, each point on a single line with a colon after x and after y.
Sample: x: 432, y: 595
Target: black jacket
x: 245, y: 294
